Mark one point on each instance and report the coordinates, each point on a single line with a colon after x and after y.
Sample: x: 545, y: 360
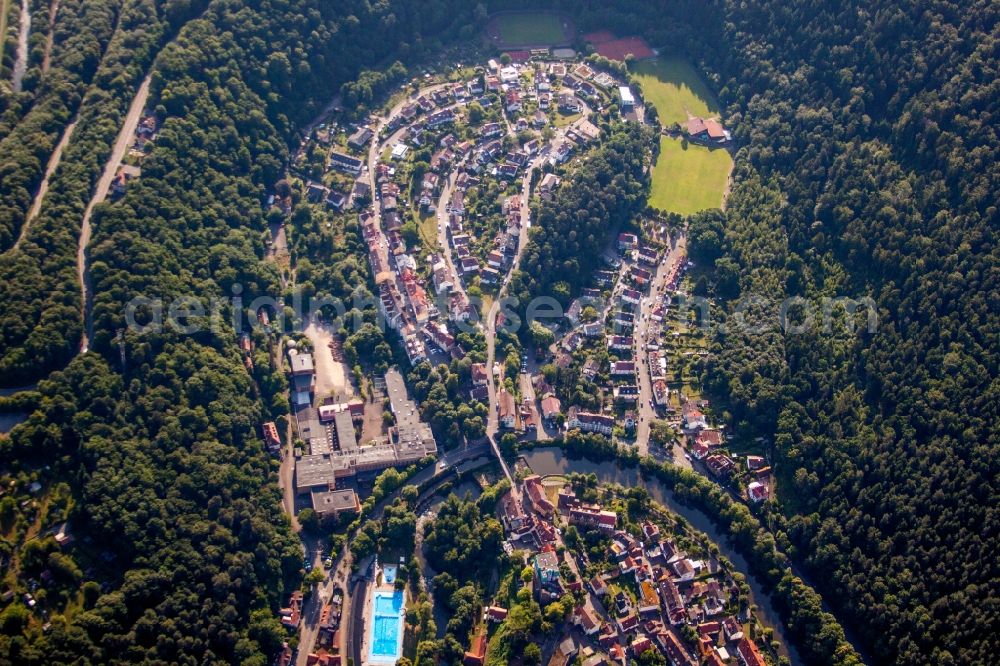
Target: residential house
x: 627, y: 241
x: 675, y: 652
x: 512, y: 101
x: 620, y: 342
x: 585, y: 618
x: 591, y: 516
x: 631, y: 296
x: 550, y: 408
x: 495, y: 614
x: 628, y: 623
x: 336, y: 200
x: 476, y: 655
x: 661, y: 393
x: 692, y: 417
x: 535, y: 492
x: 345, y: 163
x: 547, y: 187
x: 490, y: 130
x: 649, y: 600
x: 507, y: 409
x: 684, y: 569
x: 627, y: 393
x: 589, y: 422
x: 479, y: 376
x: 757, y: 492
x: 623, y: 369
x: 672, y: 601
x: 360, y: 137
x: 748, y: 653
x: 271, y: 436
x: 598, y: 586
x: 708, y: 130
x: 732, y: 629
x: 440, y: 118
x: 720, y: 465
x: 568, y: 103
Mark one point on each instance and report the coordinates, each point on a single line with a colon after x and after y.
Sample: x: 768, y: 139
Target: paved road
x: 645, y: 332
x: 442, y: 232
x: 122, y: 143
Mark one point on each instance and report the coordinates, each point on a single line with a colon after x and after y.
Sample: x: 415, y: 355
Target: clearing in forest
x: 675, y: 89
x: 688, y: 178
x: 529, y: 29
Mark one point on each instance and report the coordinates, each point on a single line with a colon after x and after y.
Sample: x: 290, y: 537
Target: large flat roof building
x: 408, y: 441
x: 335, y: 502
x: 626, y: 97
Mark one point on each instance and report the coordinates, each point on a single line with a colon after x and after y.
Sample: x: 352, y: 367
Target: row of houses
x: 668, y: 596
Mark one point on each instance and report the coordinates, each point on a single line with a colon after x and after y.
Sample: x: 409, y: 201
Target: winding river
x: 553, y: 460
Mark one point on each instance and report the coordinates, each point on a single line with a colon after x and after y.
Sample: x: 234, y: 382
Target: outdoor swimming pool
x: 386, y: 644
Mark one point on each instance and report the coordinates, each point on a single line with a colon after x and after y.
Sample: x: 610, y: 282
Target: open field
x: 529, y: 29
x: 675, y: 89
x: 688, y: 178
x: 427, y: 224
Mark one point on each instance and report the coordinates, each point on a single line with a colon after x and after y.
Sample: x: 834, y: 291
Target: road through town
x: 645, y: 330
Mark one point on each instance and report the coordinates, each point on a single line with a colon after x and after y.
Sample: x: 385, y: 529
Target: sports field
x: 688, y: 178
x: 675, y: 89
x: 530, y: 28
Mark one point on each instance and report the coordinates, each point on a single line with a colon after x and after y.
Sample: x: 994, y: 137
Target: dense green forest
x: 161, y: 453
x: 573, y: 228
x: 867, y: 172
x: 867, y: 169
x: 40, y: 297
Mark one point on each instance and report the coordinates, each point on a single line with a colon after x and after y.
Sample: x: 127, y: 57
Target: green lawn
x: 565, y: 119
x: 675, y: 89
x: 688, y: 178
x: 531, y: 28
x: 427, y: 223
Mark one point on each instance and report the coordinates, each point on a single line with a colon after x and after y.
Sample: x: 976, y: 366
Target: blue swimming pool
x: 386, y: 644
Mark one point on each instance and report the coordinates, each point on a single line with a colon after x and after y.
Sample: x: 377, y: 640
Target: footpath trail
x: 43, y: 187
x: 47, y: 57
x: 121, y: 145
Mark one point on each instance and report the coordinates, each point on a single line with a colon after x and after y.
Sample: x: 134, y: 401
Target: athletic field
x: 529, y: 29
x: 675, y: 89
x: 688, y: 178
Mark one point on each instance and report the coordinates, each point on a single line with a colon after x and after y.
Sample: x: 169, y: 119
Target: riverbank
x: 783, y: 595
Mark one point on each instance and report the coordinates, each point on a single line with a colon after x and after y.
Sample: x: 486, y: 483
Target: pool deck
x: 386, y: 588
